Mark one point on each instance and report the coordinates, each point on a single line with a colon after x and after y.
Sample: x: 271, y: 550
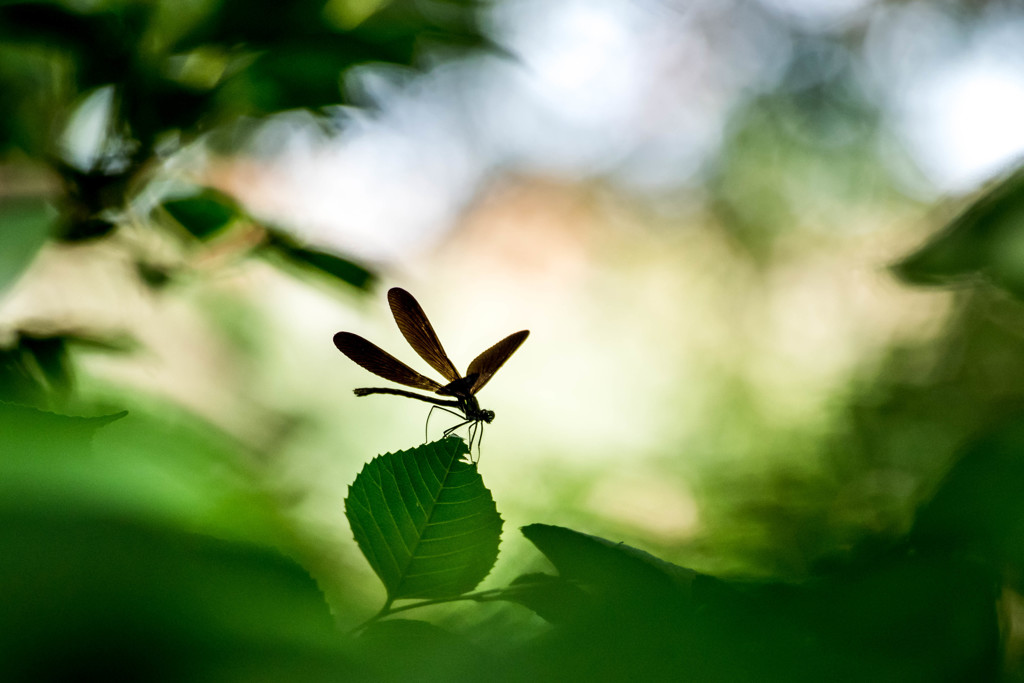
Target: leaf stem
x: 480, y: 596
x: 384, y: 611
x: 490, y: 595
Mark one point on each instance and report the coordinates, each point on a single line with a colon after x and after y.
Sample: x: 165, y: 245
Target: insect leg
x: 475, y: 431
x: 426, y: 429
x: 448, y: 431
x: 480, y: 442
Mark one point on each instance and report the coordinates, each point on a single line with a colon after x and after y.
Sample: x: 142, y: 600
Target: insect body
x: 417, y: 330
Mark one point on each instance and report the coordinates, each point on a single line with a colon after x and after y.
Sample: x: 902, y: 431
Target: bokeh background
x: 702, y: 211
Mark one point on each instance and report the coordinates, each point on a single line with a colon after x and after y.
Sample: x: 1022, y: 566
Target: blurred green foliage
x: 118, y: 564
x: 147, y: 559
x: 804, y: 151
x: 26, y: 225
x: 162, y: 75
x: 898, y: 617
x: 203, y: 214
x: 141, y: 547
x: 985, y: 241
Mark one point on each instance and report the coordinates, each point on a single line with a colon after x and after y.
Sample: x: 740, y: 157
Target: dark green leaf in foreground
x: 600, y: 562
x: 986, y: 239
x: 552, y: 598
x: 203, y: 214
x: 407, y: 650
x: 600, y: 577
x: 425, y: 521
x: 619, y: 613
x: 977, y: 505
x: 91, y: 596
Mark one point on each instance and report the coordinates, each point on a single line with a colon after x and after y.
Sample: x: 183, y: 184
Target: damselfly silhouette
x: 417, y: 330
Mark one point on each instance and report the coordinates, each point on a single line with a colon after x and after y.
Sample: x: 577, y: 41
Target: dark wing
x: 461, y: 387
x: 416, y: 329
x: 487, y: 363
x: 381, y: 363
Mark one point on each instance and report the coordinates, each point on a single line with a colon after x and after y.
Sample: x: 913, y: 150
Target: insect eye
x: 488, y: 416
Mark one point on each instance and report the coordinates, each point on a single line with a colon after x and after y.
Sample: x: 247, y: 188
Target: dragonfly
x: 460, y: 390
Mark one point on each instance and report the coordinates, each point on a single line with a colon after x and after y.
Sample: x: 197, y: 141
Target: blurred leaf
x: 203, y: 214
x: 25, y: 223
x: 596, y: 561
x: 619, y: 613
x: 101, y: 44
x: 304, y: 75
x: 105, y: 578
x: 335, y: 266
x: 77, y: 336
x: 154, y: 275
x: 425, y: 521
x: 978, y: 505
x: 34, y: 433
x: 164, y: 467
x: 46, y: 22
x: 33, y: 100
x: 553, y: 598
x: 986, y: 239
x: 408, y: 650
x: 20, y: 382
x: 37, y: 369
x: 234, y: 22
x: 88, y: 229
x: 386, y: 34
x: 890, y: 617
x: 347, y: 14
x: 899, y: 617
x: 302, y: 52
x: 51, y: 357
x: 88, y: 597
x: 403, y: 26
x: 152, y: 104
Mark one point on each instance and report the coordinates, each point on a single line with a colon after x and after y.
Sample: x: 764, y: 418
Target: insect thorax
x: 473, y: 411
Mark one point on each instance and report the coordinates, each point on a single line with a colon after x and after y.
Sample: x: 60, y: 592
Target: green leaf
x: 552, y: 598
x: 602, y: 580
x: 425, y: 521
x: 24, y: 226
x: 37, y: 368
x: 136, y: 600
x: 986, y: 239
x: 303, y: 75
x: 203, y: 214
x: 335, y: 266
x: 609, y: 565
x: 39, y: 433
x: 50, y: 354
x: 36, y: 371
x: 407, y: 650
x: 977, y: 505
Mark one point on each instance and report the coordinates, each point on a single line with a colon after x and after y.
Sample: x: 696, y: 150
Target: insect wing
x: 487, y: 363
x: 371, y: 357
x: 463, y: 386
x: 417, y: 330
